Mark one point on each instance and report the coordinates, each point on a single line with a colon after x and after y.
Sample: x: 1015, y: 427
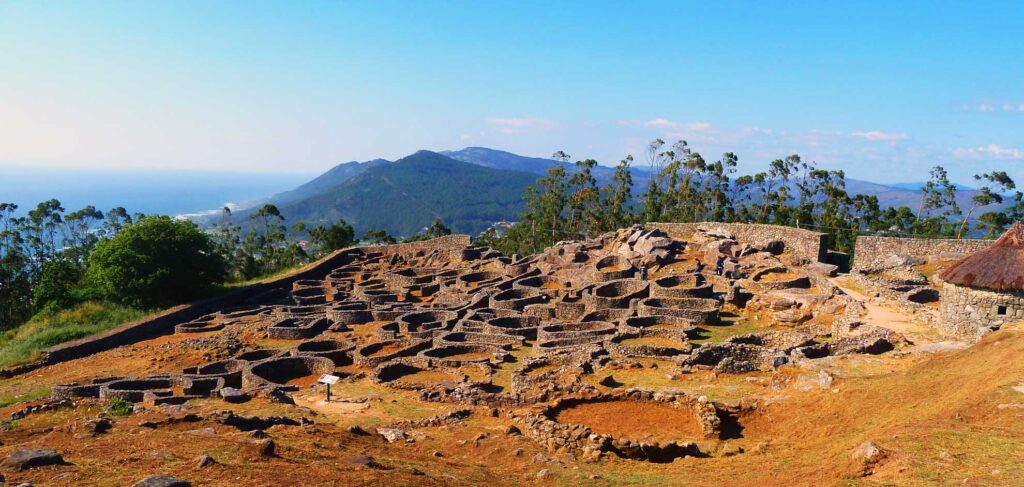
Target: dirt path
x: 890, y: 316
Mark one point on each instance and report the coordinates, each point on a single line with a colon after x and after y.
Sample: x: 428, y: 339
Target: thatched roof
x: 999, y: 267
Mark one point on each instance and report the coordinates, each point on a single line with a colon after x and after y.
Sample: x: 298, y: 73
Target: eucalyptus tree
x: 995, y: 183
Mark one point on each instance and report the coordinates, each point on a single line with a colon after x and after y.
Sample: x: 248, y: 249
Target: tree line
x: 684, y: 187
x: 52, y: 259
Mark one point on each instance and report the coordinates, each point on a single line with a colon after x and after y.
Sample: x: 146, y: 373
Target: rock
x: 792, y: 316
x: 258, y: 434
x: 204, y: 460
x: 208, y: 431
x: 392, y: 434
x: 719, y: 233
x: 822, y: 269
x: 730, y: 450
x: 775, y: 247
x: 868, y: 454
x: 609, y: 381
x: 232, y: 395
x: 262, y: 448
x: 437, y: 454
x: 544, y: 474
x: 902, y: 260
x: 365, y: 461
x: 512, y: 430
x: 162, y: 481
x: 27, y: 458
x: 97, y: 426
x: 358, y: 430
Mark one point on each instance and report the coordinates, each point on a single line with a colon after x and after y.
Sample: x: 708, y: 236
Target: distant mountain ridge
x: 404, y: 196
x: 468, y: 190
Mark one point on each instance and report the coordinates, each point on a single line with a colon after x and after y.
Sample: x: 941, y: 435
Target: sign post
x: 328, y: 379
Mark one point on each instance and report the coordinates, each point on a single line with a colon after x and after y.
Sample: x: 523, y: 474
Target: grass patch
x: 25, y: 396
x: 729, y: 326
x: 23, y: 344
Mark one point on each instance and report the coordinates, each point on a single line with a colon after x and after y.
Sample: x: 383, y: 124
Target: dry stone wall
x: 968, y: 312
x: 162, y: 323
x: 871, y: 252
x: 809, y: 245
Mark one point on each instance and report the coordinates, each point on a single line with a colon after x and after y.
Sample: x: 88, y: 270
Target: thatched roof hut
x: 999, y: 267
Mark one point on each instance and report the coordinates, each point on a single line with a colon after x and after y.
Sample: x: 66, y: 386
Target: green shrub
x: 119, y: 407
x: 156, y: 262
x: 56, y: 283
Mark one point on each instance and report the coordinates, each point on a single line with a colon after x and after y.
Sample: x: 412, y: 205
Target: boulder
x: 162, y: 481
x: 392, y: 434
x: 204, y: 460
x: 259, y: 448
x: 822, y: 268
x: 27, y: 458
x: 775, y: 247
x: 719, y: 233
x: 867, y: 455
x: 232, y: 395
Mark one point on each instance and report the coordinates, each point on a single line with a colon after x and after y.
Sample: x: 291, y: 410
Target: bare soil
x: 634, y: 420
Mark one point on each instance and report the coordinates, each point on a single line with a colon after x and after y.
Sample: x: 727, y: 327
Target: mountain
x: 916, y: 186
x: 467, y: 189
x: 498, y: 159
x: 406, y: 195
x: 326, y: 181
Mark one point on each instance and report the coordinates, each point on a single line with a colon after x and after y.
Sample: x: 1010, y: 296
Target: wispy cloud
x: 666, y: 124
x: 879, y: 136
x: 988, y: 106
x: 991, y: 151
x: 518, y: 125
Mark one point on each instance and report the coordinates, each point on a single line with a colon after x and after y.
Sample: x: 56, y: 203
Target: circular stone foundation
x: 293, y: 371
x: 634, y: 420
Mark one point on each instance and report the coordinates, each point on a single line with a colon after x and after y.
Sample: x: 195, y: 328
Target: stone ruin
x: 444, y: 322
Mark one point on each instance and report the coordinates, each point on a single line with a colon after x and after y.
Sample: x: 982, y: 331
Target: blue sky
x: 884, y: 90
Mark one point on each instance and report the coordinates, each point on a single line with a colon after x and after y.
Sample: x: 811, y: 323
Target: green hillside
x: 404, y: 196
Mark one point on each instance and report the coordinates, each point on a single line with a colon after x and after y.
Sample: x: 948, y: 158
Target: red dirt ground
x: 634, y: 420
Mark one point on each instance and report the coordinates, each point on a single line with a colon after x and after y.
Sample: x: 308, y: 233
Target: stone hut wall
x: 870, y: 252
x: 806, y: 244
x: 450, y: 244
x: 966, y: 310
x: 163, y: 322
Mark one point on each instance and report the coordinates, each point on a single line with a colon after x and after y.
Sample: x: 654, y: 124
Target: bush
x: 334, y: 237
x: 56, y: 284
x: 119, y: 407
x: 156, y: 262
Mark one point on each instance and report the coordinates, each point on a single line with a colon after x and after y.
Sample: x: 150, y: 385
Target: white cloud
x: 879, y: 136
x: 991, y: 151
x: 666, y: 124
x: 994, y: 106
x: 518, y: 125
x: 465, y: 137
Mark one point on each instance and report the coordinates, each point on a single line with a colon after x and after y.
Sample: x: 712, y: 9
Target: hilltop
x: 404, y: 196
x: 457, y: 366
